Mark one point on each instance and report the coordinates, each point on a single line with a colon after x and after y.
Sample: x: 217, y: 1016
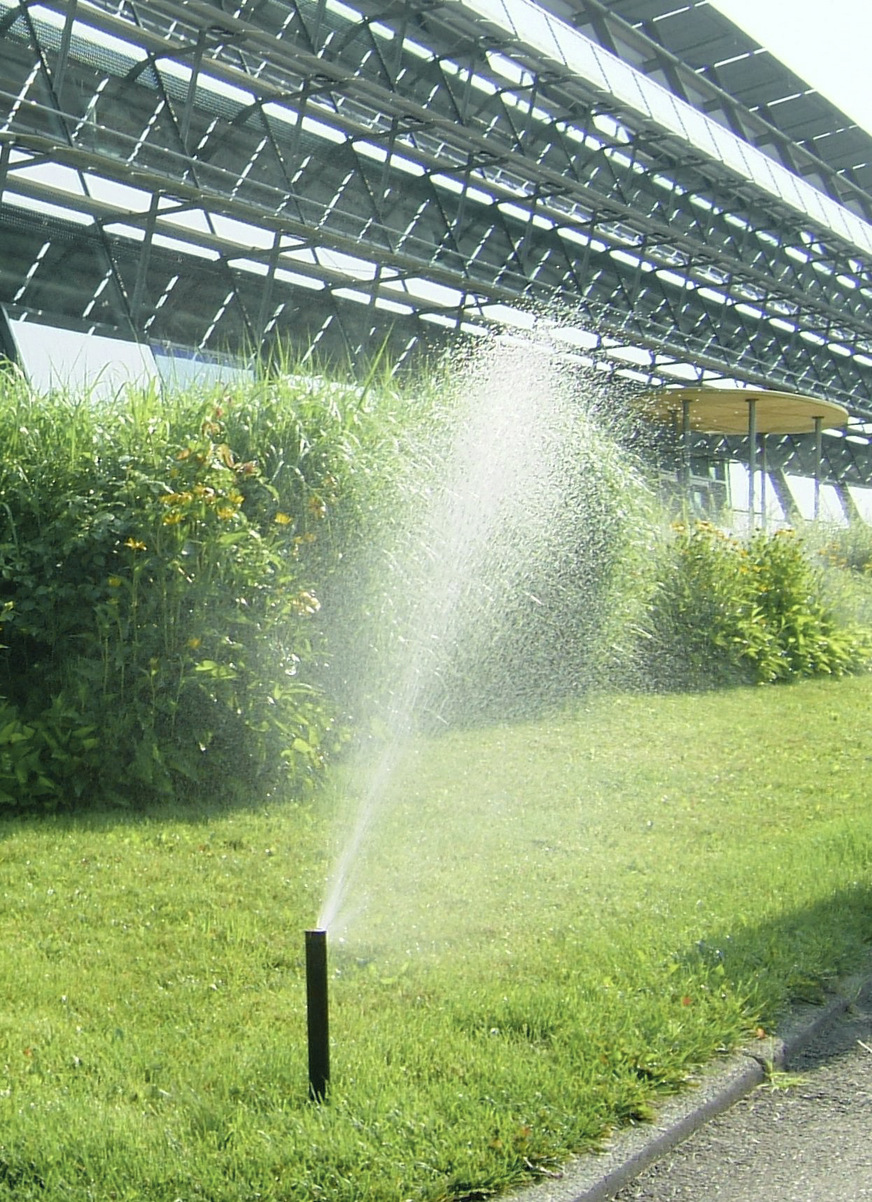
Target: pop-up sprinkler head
x: 316, y: 1009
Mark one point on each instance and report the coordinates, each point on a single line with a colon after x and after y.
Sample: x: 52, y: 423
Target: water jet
x: 490, y: 592
x: 317, y: 1016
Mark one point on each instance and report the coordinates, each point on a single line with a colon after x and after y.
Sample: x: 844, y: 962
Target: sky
x: 826, y: 42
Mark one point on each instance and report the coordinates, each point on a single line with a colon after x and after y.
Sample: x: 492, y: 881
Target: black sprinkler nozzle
x: 317, y: 1014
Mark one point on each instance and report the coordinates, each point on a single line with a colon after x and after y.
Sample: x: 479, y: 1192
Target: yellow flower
x: 283, y: 519
x: 115, y: 582
x: 194, y: 643
x: 316, y: 506
x: 305, y: 603
x: 134, y: 544
x: 172, y: 519
x: 225, y: 511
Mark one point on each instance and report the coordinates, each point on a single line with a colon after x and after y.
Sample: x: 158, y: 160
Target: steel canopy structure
x: 756, y: 412
x: 208, y: 178
x: 729, y: 410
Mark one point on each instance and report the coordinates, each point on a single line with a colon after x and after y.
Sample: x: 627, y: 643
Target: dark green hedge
x: 157, y: 602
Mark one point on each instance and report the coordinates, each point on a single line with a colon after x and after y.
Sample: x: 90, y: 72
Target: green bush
x: 845, y: 557
x: 489, y: 533
x: 173, y: 568
x: 354, y: 464
x: 848, y: 548
x: 156, y: 616
x: 198, y: 592
x: 730, y: 611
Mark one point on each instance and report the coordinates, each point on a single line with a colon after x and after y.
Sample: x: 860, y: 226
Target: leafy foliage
x: 172, y: 570
x: 156, y: 615
x: 198, y: 591
x: 725, y: 611
x: 849, y: 548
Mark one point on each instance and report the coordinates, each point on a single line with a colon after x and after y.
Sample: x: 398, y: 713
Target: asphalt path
x: 804, y: 1135
x: 785, y: 1120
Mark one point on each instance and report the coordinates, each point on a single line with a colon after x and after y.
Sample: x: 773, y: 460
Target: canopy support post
x: 752, y: 460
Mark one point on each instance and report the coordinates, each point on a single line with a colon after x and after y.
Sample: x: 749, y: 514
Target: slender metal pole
x: 818, y: 452
x: 764, y: 473
x: 317, y: 1014
x: 685, y: 445
x: 752, y: 460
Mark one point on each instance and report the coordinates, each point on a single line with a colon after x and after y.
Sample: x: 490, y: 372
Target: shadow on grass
x: 792, y: 959
x: 839, y: 1039
x: 198, y: 811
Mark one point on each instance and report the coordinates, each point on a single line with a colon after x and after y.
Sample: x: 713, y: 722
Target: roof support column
x: 685, y: 445
x: 785, y: 498
x: 5, y: 156
x: 752, y: 460
x: 267, y: 293
x: 64, y: 51
x: 188, y: 111
x: 848, y: 504
x: 139, y: 287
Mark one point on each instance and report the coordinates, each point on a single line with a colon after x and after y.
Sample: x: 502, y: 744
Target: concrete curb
x: 596, y: 1178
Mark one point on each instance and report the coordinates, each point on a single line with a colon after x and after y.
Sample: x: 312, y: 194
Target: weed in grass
x: 779, y: 1081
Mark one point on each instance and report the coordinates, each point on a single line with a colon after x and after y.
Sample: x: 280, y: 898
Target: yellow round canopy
x: 727, y: 410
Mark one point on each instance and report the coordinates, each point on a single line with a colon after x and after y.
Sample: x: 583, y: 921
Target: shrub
x: 805, y: 636
x: 846, y: 559
x: 848, y: 548
x: 544, y: 614
x: 171, y: 567
x: 353, y: 463
x: 730, y: 611
x: 194, y: 589
x: 157, y: 621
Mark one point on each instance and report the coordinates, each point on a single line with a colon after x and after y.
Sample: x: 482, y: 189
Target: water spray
x: 317, y: 1014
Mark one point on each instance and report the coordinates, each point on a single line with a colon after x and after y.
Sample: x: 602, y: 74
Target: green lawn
x: 563, y: 919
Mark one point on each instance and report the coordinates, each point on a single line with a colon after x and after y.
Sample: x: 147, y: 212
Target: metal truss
x: 225, y: 176
x: 711, y: 64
